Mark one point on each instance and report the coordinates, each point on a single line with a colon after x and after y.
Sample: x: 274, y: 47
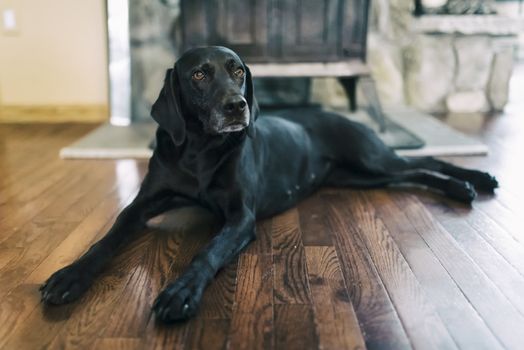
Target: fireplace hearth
x: 146, y: 37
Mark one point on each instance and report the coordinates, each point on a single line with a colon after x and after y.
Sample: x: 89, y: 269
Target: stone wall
x: 152, y: 24
x: 441, y: 63
x: 433, y: 64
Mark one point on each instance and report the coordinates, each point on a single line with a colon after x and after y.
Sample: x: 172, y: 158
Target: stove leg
x: 350, y: 86
x: 367, y: 84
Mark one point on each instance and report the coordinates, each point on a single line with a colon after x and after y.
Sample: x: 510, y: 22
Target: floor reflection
x: 128, y: 178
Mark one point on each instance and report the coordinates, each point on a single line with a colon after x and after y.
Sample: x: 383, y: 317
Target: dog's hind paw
x: 486, y: 183
x: 462, y: 191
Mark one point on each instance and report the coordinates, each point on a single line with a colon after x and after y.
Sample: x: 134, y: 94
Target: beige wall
x: 57, y: 57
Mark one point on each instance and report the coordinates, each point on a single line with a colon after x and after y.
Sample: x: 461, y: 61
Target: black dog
x: 211, y: 150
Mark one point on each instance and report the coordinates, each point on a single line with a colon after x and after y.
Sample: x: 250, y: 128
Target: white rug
x: 133, y: 141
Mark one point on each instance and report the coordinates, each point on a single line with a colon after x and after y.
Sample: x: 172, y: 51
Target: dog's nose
x: 235, y: 104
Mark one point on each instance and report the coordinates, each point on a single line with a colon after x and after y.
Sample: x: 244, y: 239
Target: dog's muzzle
x: 235, y: 113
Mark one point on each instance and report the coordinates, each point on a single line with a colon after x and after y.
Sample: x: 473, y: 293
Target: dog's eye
x: 239, y: 72
x: 198, y: 75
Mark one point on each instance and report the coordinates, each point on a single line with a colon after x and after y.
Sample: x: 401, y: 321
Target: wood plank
x: 502, y: 318
x: 99, y: 215
x: 72, y: 324
x: 19, y: 332
x: 21, y: 302
x: 290, y: 274
x: 140, y: 291
x: 164, y: 260
x: 8, y: 255
x: 18, y: 211
x: 511, y: 282
x: 93, y: 227
x: 252, y: 319
x: 462, y: 321
x: 218, y: 299
x: 378, y: 319
x: 263, y: 243
x: 295, y: 327
x: 170, y: 259
x: 336, y: 323
x: 117, y: 344
x: 497, y: 237
x: 76, y: 198
x: 418, y: 315
x: 95, y: 309
x: 209, y: 334
x: 160, y: 336
x: 312, y: 223
x: 17, y: 169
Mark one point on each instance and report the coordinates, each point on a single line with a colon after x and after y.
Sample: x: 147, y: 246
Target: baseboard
x: 54, y: 114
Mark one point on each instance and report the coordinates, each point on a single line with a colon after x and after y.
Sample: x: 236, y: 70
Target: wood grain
x: 117, y: 344
x: 252, y: 320
x: 510, y: 283
x: 473, y: 282
x: 290, y: 274
x: 451, y: 304
x: 380, y: 324
x: 336, y: 322
x: 313, y: 223
x: 290, y: 322
x: 381, y: 269
x: 209, y: 334
x: 418, y: 316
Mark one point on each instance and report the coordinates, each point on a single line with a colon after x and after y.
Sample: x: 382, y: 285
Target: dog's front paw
x: 180, y: 300
x: 66, y: 285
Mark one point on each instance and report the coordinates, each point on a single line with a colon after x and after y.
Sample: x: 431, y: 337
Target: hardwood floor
x: 382, y: 269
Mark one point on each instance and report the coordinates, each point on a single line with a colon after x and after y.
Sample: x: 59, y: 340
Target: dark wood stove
x: 288, y: 38
x: 279, y: 30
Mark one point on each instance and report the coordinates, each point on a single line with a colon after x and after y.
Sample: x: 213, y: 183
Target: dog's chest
x: 197, y: 180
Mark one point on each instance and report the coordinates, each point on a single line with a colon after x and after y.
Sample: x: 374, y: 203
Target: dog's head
x: 210, y: 87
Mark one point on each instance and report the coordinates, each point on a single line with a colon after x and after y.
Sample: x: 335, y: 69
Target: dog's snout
x: 235, y: 104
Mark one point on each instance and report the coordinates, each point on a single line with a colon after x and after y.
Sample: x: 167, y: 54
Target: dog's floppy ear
x: 249, y: 95
x: 167, y: 112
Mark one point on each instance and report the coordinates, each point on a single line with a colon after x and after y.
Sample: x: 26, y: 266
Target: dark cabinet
x: 278, y: 30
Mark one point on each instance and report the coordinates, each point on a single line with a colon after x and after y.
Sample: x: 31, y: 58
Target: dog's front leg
x: 70, y: 282
x: 180, y: 299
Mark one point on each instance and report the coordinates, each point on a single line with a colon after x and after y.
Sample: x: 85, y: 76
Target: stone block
x: 385, y: 63
x: 474, y: 57
x: 149, y: 65
x: 498, y: 86
x: 467, y: 102
x: 429, y: 72
x: 150, y: 20
x: 329, y: 92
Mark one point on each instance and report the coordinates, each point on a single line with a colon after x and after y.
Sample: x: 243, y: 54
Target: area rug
x: 408, y: 131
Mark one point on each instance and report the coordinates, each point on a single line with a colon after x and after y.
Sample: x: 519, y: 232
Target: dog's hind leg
x: 357, y: 146
x: 480, y: 180
x: 459, y: 190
